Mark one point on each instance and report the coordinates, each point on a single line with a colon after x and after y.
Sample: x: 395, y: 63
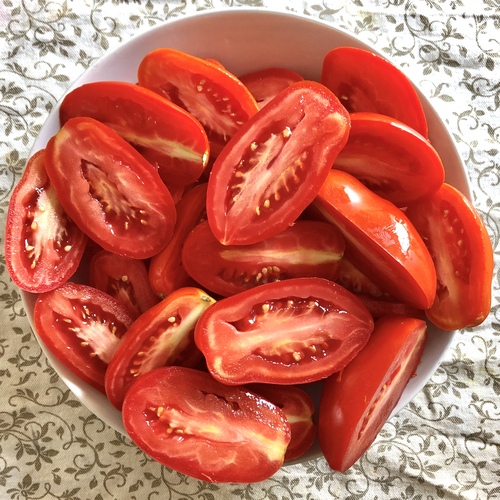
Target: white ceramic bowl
x: 244, y: 40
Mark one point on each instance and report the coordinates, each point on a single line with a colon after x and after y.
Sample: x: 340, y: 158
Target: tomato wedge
x: 357, y: 402
x: 364, y: 81
x: 82, y: 326
x: 306, y: 249
x: 290, y: 332
x: 391, y: 159
x: 161, y: 336
x: 273, y: 167
x: 462, y: 252
x: 191, y: 423
x: 111, y: 192
x: 43, y: 246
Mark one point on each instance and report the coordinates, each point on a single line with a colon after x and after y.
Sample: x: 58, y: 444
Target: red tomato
x: 391, y: 159
x: 364, y: 81
x: 123, y: 278
x: 274, y: 166
x: 43, y: 246
x: 380, y: 240
x: 164, y: 133
x: 208, y: 91
x: 111, y: 192
x: 306, y: 249
x: 191, y: 423
x: 357, y: 402
x: 289, y: 332
x: 462, y: 252
x: 82, y: 326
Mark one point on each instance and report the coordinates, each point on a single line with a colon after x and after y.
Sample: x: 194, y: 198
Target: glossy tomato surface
x: 191, y: 423
x: 290, y: 332
x: 273, y: 167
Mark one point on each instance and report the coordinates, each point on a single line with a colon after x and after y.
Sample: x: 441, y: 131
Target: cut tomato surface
x: 191, y: 423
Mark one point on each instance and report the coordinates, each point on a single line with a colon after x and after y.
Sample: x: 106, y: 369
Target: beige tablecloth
x: 445, y: 444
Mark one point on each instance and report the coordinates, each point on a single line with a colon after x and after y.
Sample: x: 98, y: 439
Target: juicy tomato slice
x: 205, y: 89
x: 364, y: 81
x: 111, y: 192
x: 267, y: 83
x: 163, y: 335
x: 298, y: 407
x: 306, y: 249
x: 290, y: 332
x: 392, y: 159
x: 273, y: 167
x: 43, y: 246
x: 166, y: 272
x: 380, y: 240
x: 123, y: 278
x: 462, y: 252
x: 191, y: 423
x: 356, y: 403
x: 167, y: 135
x: 82, y: 326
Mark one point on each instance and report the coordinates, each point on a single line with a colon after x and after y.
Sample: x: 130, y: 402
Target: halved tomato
x: 275, y: 164
x: 191, y: 423
x: 111, y: 192
x: 290, y: 332
x: 43, y: 246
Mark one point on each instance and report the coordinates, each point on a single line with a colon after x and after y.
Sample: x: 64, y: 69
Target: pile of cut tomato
x: 206, y: 246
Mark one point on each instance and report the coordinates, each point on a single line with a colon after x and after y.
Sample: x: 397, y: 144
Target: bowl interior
x: 244, y: 40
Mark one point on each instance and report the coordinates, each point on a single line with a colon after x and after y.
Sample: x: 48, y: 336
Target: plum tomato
x: 82, y: 326
x: 191, y: 423
x: 163, y: 335
x: 295, y: 331
x: 306, y: 249
x: 43, y: 246
x: 110, y: 191
x: 390, y: 158
x: 364, y: 81
x: 357, y: 402
x: 380, y: 240
x: 463, y: 256
x: 273, y: 167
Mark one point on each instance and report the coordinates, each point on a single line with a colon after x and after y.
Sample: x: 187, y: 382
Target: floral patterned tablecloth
x: 445, y: 444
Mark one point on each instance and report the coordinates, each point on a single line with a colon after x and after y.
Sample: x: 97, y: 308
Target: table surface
x: 444, y: 444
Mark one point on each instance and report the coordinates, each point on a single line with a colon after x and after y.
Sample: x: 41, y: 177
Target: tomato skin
x: 191, y: 423
x: 273, y: 167
x: 111, y: 192
x: 463, y: 256
x: 289, y: 332
x: 364, y: 81
x: 380, y: 240
x: 391, y: 158
x: 306, y: 249
x: 82, y: 326
x: 356, y: 403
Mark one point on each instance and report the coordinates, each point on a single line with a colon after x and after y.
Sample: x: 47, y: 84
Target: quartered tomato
x: 167, y: 135
x: 290, y: 332
x: 380, y: 240
x: 306, y: 249
x: 462, y: 252
x: 357, y: 402
x: 43, y: 246
x: 191, y: 423
x: 161, y: 336
x: 364, y: 81
x: 111, y: 192
x: 391, y: 159
x: 273, y: 167
x: 82, y: 326
x: 209, y: 92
